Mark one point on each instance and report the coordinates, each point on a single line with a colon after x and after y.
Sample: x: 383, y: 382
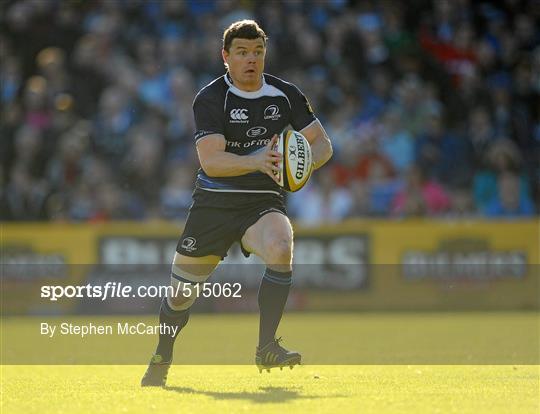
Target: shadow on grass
x: 263, y: 396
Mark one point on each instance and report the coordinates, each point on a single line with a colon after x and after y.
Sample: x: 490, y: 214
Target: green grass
x: 238, y: 389
x: 472, y: 338
x: 375, y: 363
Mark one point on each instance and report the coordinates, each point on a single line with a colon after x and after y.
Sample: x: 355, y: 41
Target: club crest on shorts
x: 188, y: 244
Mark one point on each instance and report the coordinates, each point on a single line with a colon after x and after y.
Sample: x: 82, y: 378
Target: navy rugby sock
x: 170, y: 317
x: 273, y: 293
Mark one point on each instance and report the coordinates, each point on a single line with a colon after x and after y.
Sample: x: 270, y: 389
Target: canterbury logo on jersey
x: 239, y: 116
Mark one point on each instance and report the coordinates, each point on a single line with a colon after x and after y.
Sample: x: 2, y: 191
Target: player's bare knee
x: 279, y: 250
x: 181, y: 295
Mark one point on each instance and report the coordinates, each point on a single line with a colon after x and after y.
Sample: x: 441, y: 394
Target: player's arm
x: 217, y: 163
x: 321, y: 147
x: 304, y: 120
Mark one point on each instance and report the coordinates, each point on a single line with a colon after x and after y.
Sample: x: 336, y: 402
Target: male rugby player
x: 237, y: 198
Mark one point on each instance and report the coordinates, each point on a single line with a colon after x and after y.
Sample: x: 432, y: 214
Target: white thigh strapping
x: 184, y: 286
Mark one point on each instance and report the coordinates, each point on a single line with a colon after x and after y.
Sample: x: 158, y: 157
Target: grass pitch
x: 238, y: 389
x: 405, y: 375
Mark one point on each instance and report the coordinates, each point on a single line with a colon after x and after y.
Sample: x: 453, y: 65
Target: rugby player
x: 237, y: 198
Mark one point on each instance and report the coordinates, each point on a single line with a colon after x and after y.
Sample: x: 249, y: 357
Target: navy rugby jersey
x: 247, y: 120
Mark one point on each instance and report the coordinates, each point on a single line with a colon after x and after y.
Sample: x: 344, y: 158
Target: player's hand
x: 268, y: 160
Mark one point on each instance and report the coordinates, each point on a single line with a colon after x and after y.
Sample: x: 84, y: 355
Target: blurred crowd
x: 432, y: 105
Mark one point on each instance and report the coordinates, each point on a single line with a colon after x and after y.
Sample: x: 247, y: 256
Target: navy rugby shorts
x: 217, y: 219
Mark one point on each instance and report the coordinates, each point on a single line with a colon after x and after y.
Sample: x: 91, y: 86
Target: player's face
x: 245, y: 59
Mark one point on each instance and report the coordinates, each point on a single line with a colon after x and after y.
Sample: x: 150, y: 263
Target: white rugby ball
x: 297, y: 163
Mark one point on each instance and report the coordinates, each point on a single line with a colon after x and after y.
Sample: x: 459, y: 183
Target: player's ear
x: 225, y: 56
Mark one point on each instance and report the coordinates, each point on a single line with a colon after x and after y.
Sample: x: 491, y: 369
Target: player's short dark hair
x: 243, y: 29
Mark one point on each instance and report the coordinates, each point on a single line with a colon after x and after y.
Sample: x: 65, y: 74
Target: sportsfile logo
x: 272, y: 112
x: 239, y: 116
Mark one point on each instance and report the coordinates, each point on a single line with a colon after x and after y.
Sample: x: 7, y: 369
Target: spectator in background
x: 500, y: 102
x: 369, y: 68
x: 36, y: 104
x: 340, y: 124
x: 376, y: 172
x: 114, y: 118
x: 322, y: 203
x: 113, y: 203
x: 397, y: 38
x: 346, y: 169
x: 176, y: 194
x: 66, y: 166
x: 358, y: 156
x: 462, y: 202
x: 377, y: 96
x: 502, y: 157
x: 420, y: 195
x: 10, y: 79
x: 51, y: 63
x: 88, y: 77
x: 372, y: 162
x: 153, y: 87
x: 442, y: 155
x: 181, y: 88
x: 413, y: 104
x: 480, y: 132
x: 29, y: 150
x: 25, y: 197
x: 382, y: 189
x: 509, y: 201
x: 142, y: 167
x: 396, y: 143
x: 361, y: 203
x: 453, y: 48
x: 79, y: 204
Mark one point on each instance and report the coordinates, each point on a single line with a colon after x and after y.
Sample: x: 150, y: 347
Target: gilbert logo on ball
x: 297, y: 164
